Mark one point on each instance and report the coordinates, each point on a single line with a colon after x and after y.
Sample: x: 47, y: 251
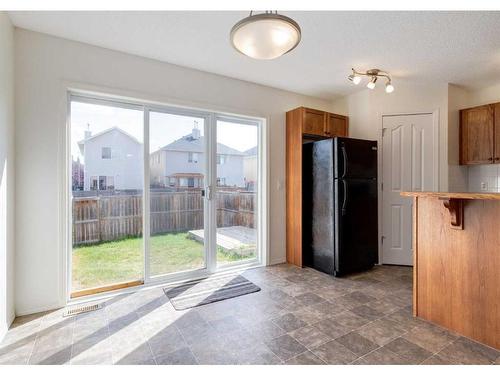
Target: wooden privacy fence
x: 114, y: 217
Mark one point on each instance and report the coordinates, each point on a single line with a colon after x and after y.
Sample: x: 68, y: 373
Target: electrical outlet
x: 484, y: 186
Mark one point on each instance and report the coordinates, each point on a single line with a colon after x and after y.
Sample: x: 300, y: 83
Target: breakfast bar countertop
x: 451, y: 195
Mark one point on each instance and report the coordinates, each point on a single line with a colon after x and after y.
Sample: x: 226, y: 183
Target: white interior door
x: 408, y: 165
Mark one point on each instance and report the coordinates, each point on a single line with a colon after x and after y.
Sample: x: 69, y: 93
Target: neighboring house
x: 250, y: 168
x: 77, y: 175
x: 181, y: 164
x: 113, y: 160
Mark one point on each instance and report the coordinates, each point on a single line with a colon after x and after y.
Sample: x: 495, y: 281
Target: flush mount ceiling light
x: 265, y: 36
x: 373, y: 74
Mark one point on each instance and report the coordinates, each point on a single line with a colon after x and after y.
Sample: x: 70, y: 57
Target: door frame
x: 435, y: 148
x: 210, y: 116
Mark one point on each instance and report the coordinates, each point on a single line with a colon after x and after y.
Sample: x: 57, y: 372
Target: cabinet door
x: 476, y: 132
x: 314, y: 122
x: 336, y: 126
x: 496, y: 132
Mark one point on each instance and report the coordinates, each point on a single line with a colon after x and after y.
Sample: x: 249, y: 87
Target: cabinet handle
x: 490, y: 159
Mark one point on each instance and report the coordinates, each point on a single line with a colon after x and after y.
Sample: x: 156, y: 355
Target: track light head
x: 371, y: 84
x: 354, y: 77
x: 389, y: 87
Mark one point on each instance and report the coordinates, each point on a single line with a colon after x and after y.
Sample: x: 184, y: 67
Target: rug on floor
x: 212, y: 289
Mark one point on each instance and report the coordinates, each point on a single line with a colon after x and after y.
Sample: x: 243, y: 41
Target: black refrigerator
x: 340, y: 218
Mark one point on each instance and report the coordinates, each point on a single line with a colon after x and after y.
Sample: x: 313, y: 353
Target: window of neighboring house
x: 190, y: 182
x: 183, y: 181
x: 221, y: 159
x: 110, y: 183
x: 106, y: 153
x: 221, y: 181
x: 171, y: 181
x: 192, y: 157
x: 102, y: 183
x: 93, y: 183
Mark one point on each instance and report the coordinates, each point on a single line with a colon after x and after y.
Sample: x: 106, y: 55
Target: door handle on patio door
x: 207, y: 192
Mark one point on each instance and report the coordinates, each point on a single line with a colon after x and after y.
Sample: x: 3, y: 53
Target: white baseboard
x: 36, y: 310
x: 277, y: 261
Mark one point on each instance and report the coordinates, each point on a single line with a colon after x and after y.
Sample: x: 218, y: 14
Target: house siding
x: 125, y: 164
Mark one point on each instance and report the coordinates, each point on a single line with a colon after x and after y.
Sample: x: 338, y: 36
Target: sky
x: 164, y: 128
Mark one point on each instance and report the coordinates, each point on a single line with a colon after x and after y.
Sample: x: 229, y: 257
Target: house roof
x: 190, y: 144
x: 112, y: 129
x: 251, y: 151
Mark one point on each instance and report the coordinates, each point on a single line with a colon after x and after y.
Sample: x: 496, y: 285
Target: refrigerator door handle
x: 344, y: 154
x: 344, y: 203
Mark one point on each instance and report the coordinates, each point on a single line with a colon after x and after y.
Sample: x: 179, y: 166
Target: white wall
x: 44, y: 66
x: 6, y: 173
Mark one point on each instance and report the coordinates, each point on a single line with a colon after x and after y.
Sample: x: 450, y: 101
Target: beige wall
x: 6, y: 173
x: 486, y: 95
x: 458, y: 98
x: 44, y: 66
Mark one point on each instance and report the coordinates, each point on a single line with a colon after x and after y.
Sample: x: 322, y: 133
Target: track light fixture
x: 374, y: 75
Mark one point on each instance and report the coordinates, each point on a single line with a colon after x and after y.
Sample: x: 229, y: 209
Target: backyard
x: 122, y: 260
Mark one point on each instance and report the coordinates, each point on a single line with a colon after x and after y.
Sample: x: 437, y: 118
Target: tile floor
x: 301, y: 316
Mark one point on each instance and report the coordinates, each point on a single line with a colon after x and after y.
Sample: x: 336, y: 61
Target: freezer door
x: 356, y: 225
x: 355, y: 158
x: 320, y: 207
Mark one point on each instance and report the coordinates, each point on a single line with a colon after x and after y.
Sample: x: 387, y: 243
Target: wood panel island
x: 456, y: 276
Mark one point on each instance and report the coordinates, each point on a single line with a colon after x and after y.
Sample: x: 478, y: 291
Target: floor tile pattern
x: 300, y: 316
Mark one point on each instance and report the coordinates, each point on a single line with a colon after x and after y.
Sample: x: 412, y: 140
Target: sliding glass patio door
x: 107, y: 151
x: 198, y: 212
x: 178, y: 172
x: 237, y: 185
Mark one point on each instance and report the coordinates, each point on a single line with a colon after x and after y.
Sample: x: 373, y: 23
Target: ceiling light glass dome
x: 265, y: 36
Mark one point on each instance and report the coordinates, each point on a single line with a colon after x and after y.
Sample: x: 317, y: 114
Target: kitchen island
x: 456, y: 276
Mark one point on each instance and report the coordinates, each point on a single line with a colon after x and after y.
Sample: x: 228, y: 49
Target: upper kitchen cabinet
x: 480, y: 135
x: 496, y: 133
x: 322, y: 124
x: 313, y: 121
x: 336, y: 126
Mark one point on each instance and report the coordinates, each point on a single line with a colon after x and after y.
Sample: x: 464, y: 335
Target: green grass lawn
x: 118, y: 261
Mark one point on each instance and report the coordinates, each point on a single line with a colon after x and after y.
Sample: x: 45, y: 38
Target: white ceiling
x: 456, y: 47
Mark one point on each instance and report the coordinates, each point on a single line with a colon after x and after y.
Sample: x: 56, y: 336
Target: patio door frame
x: 210, y: 216
x: 208, y: 204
